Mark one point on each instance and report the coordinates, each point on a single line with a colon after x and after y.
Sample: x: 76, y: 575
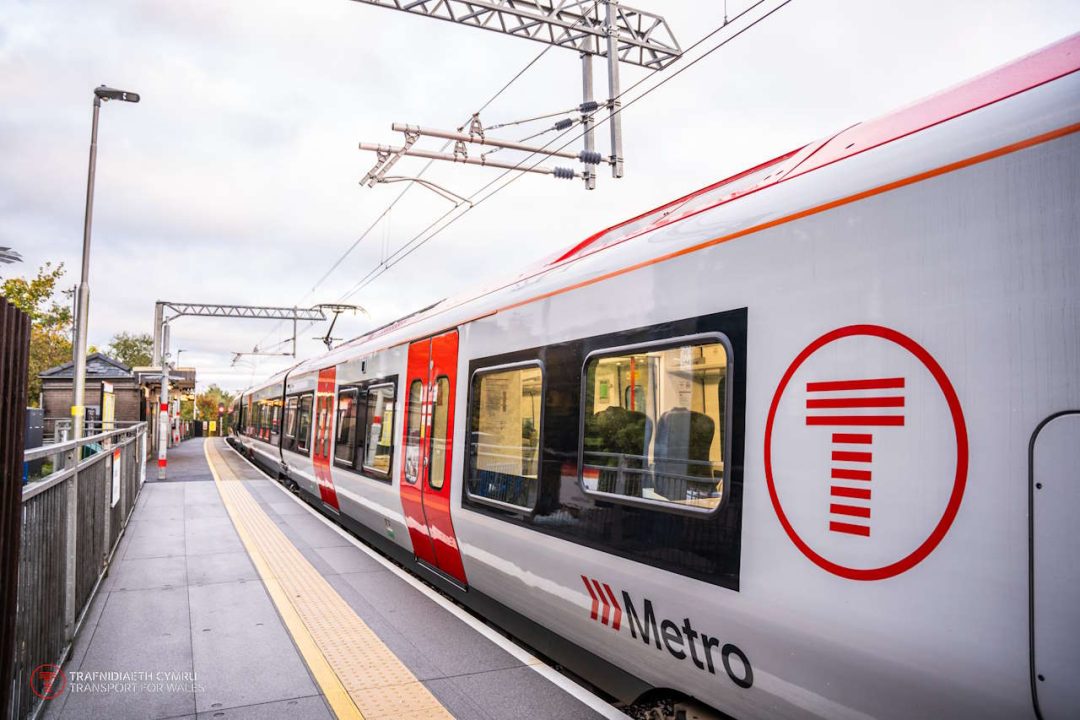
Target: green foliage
x: 35, y: 298
x: 132, y: 349
x: 210, y: 399
x: 50, y: 329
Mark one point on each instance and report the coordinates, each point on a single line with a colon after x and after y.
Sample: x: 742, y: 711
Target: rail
x: 73, y: 518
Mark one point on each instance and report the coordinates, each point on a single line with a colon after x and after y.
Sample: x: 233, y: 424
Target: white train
x: 804, y: 443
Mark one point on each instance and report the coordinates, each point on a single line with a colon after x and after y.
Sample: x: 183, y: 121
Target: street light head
x: 108, y: 93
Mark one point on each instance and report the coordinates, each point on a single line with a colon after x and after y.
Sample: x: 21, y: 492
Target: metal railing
x: 72, y: 520
x: 58, y: 429
x: 630, y: 475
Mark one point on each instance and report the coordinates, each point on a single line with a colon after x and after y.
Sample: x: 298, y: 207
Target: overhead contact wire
x: 416, y: 243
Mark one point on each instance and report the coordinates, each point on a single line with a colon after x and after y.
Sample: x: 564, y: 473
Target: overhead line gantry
x: 600, y: 28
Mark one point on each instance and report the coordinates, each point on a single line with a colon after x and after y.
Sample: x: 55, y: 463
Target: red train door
x: 324, y: 433
x: 429, y: 437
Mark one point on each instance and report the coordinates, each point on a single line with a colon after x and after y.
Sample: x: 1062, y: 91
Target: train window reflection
x: 275, y: 421
x: 289, y: 443
x: 413, y: 430
x: 303, y: 423
x: 504, y: 435
x: 346, y: 428
x: 439, y: 436
x: 379, y: 430
x: 654, y: 424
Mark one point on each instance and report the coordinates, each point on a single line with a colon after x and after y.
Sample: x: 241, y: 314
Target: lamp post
x: 83, y: 291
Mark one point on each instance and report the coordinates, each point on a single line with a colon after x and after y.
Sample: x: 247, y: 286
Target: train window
x: 504, y: 435
x: 289, y: 443
x: 379, y: 431
x: 323, y: 420
x: 303, y: 423
x: 275, y: 422
x: 439, y: 440
x: 413, y: 430
x: 659, y: 438
x: 346, y: 428
x: 264, y: 420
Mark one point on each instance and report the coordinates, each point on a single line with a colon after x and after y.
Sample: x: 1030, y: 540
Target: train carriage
x: 800, y: 444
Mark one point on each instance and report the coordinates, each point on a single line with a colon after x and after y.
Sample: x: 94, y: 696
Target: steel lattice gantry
x: 245, y: 311
x: 643, y: 38
x: 178, y: 309
x: 259, y: 312
x: 602, y: 28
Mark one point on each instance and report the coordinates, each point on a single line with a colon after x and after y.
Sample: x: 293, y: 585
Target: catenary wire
x: 337, y: 263
x: 416, y: 242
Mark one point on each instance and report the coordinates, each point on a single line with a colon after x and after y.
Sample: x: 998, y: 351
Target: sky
x: 236, y: 178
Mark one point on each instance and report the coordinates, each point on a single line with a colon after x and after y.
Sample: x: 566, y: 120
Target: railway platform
x: 228, y: 597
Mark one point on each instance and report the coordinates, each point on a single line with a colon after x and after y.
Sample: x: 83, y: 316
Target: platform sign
x: 108, y: 407
x: 117, y: 464
x: 142, y: 458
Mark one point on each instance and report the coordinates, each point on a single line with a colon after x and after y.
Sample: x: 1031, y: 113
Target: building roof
x: 98, y: 367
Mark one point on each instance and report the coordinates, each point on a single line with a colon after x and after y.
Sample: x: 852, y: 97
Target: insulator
x: 590, y: 157
x: 564, y: 124
x: 588, y: 107
x: 565, y: 173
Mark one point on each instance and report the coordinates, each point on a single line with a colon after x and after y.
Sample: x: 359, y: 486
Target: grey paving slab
x: 159, y: 529
x: 157, y: 514
x: 147, y: 573
x: 264, y: 492
x: 310, y: 554
x: 219, y: 622
x: 139, y: 631
x: 157, y: 494
x: 242, y: 653
x: 448, y: 644
x: 454, y: 699
x: 151, y: 544
x: 306, y: 708
x: 410, y: 654
x: 90, y: 622
x: 205, y: 511
x: 513, y: 694
x: 220, y: 567
x: 211, y: 535
x: 348, y: 559
x: 196, y: 493
x: 314, y: 532
x: 286, y: 507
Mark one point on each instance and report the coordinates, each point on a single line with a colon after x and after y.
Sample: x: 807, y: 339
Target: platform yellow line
x: 360, y: 677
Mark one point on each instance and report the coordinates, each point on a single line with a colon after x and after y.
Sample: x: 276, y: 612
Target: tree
x: 132, y: 349
x: 209, y: 400
x: 50, y: 322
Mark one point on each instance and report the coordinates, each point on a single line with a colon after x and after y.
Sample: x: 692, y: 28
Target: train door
x: 1055, y: 545
x: 323, y: 432
x: 429, y: 433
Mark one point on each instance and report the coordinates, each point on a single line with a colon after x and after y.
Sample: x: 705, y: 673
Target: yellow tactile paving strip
x: 358, y: 674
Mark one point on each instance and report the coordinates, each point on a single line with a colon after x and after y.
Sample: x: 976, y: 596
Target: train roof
x: 1025, y: 73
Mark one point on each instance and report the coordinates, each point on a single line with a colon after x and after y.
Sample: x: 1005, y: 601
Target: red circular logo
x: 866, y: 452
x: 48, y: 681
